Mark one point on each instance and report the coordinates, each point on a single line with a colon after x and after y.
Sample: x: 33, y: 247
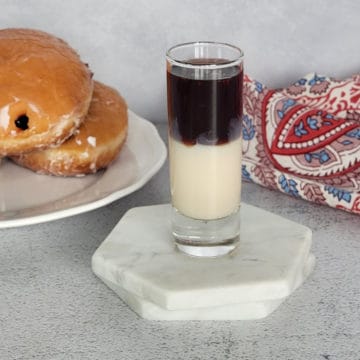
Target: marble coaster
x: 242, y: 311
x: 140, y: 262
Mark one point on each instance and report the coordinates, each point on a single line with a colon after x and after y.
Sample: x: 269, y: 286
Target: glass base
x: 205, y: 238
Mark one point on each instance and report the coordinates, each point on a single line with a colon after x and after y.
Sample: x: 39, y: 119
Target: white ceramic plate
x: 29, y: 198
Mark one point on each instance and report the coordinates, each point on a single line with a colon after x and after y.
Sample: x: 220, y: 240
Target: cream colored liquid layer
x: 205, y: 180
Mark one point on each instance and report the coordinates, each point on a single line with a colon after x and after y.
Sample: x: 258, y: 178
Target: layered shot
x: 204, y: 83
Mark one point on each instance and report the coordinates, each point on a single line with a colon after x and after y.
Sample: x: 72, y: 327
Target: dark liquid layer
x: 205, y: 106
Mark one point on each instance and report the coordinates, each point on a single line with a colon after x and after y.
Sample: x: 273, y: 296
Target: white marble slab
x: 242, y: 311
x: 139, y: 256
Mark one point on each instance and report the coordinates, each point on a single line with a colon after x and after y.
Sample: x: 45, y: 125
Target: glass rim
x: 185, y: 63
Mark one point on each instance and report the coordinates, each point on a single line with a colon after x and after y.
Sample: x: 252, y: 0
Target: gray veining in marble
x: 139, y: 256
x: 241, y: 311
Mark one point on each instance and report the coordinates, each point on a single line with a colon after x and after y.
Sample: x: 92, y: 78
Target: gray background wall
x: 124, y: 41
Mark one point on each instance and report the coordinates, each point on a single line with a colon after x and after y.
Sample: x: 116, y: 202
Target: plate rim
x: 106, y: 199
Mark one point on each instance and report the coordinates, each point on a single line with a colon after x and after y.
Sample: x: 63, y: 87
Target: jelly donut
x: 45, y: 90
x: 95, y: 143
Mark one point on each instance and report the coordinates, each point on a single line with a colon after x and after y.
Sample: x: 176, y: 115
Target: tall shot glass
x: 204, y: 89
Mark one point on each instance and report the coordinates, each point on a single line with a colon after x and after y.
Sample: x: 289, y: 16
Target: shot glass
x: 204, y: 91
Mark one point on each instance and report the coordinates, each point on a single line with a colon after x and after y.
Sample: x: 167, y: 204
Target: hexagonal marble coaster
x: 241, y: 311
x: 140, y: 262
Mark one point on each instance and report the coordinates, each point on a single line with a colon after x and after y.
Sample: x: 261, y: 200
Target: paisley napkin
x: 304, y: 140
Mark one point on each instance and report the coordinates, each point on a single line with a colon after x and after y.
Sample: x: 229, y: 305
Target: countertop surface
x: 53, y: 307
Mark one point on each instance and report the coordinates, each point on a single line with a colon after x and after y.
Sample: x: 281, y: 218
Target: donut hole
x: 22, y: 122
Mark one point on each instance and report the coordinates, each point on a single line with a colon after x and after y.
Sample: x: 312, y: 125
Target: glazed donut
x: 94, y: 145
x: 45, y: 90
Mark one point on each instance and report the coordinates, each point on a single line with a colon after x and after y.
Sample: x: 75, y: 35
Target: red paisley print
x: 304, y: 140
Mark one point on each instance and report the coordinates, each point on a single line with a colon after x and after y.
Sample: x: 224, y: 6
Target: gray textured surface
x: 125, y: 41
x: 53, y: 307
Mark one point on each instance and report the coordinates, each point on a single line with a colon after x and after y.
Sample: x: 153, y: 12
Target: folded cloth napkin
x: 304, y: 140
